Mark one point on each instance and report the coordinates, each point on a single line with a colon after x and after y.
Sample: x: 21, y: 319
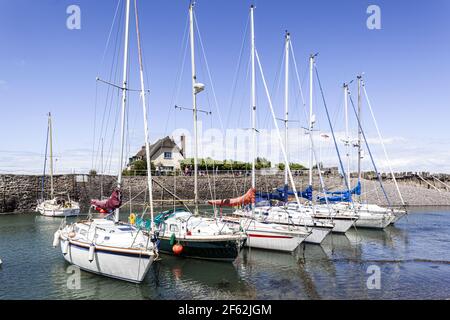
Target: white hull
x: 269, y: 236
x: 58, y: 207
x: 107, y: 262
x: 340, y: 225
x: 397, y: 216
x: 59, y: 212
x: 270, y: 241
x: 317, y: 235
x: 374, y: 221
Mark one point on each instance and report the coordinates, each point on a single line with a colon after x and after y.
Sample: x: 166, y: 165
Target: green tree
x: 262, y: 163
x: 292, y: 166
x: 138, y: 168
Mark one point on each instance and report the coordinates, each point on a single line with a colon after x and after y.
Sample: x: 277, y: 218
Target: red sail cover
x: 108, y: 205
x: 247, y: 198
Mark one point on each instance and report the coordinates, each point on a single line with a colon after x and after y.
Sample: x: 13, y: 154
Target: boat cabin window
x: 173, y: 228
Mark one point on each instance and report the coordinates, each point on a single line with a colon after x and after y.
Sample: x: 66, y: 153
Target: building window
x: 168, y: 155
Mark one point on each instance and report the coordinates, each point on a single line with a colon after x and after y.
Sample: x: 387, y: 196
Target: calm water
x: 414, y: 258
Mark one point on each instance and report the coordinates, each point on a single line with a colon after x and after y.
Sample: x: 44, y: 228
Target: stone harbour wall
x: 19, y: 193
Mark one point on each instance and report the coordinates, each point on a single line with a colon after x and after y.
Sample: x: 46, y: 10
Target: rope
x: 382, y: 143
x: 332, y: 131
x: 368, y: 148
x: 446, y: 185
x: 428, y: 182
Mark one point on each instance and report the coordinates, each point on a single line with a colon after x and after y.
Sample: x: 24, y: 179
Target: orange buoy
x: 177, y: 249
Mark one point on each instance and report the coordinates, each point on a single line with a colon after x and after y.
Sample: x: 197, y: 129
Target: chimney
x: 183, y: 144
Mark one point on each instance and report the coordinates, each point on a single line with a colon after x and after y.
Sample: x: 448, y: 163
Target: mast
x: 144, y: 109
x: 124, y: 101
x: 253, y: 95
x: 347, y: 138
x: 286, y: 103
x: 51, y: 154
x: 194, y: 104
x: 101, y: 171
x: 311, y: 120
x: 359, y: 129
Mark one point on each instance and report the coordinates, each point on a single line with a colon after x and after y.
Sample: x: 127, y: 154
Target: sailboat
x: 321, y: 218
x: 186, y: 234
x: 107, y: 246
x: 369, y: 215
x: 56, y: 206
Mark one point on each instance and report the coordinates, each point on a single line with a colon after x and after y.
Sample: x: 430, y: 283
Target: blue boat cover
x: 341, y: 196
x: 282, y: 194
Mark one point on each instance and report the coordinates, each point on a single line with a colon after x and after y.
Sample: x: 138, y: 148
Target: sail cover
x: 341, y: 196
x: 110, y: 204
x: 282, y: 194
x: 247, y: 198
x: 355, y: 191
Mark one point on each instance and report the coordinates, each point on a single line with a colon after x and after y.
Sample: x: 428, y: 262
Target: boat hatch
x: 125, y: 229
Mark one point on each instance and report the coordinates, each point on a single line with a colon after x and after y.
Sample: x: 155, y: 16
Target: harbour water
x: 413, y: 258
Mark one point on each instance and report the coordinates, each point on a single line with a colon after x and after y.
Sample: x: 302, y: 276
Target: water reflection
x: 195, y: 279
x: 413, y: 256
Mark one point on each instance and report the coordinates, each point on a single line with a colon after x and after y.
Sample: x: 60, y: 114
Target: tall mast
x: 194, y: 104
x: 359, y: 129
x: 311, y: 120
x: 286, y: 102
x: 124, y: 100
x: 347, y: 137
x: 144, y: 109
x: 51, y: 154
x: 196, y: 88
x: 253, y: 94
x: 101, y: 172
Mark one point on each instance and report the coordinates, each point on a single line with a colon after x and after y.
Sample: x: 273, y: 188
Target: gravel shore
x: 413, y: 195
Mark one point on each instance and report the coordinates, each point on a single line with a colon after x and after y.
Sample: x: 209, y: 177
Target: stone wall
x: 19, y: 193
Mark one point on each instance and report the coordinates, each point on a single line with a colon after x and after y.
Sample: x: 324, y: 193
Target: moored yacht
x: 104, y: 247
x: 269, y: 236
x: 278, y: 215
x: 56, y: 206
x: 188, y: 234
x: 107, y: 246
x: 183, y: 234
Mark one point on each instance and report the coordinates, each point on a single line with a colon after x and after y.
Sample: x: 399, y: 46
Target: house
x: 165, y: 154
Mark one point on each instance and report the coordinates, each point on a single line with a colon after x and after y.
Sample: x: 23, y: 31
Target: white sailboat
x: 363, y: 208
x: 263, y: 233
x: 107, y: 246
x: 188, y: 234
x: 56, y: 206
x: 319, y: 220
x: 369, y: 215
x: 342, y: 221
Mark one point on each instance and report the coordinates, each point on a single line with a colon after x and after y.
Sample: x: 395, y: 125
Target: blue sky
x: 46, y: 67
